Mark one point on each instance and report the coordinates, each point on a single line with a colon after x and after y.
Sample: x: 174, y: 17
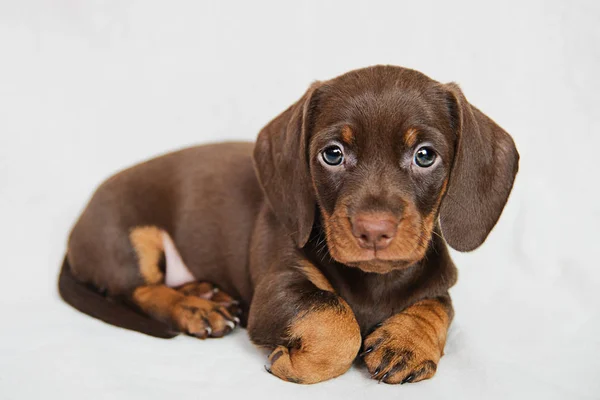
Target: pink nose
x: 374, y: 231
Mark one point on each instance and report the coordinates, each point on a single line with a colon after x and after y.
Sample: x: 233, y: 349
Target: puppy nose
x: 374, y: 230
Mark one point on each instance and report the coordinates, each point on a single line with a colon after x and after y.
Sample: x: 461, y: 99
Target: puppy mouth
x: 406, y: 248
x: 370, y: 260
x: 344, y: 250
x: 379, y: 266
x: 372, y: 255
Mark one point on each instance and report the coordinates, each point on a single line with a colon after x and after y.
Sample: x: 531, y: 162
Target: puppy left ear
x: 485, y: 164
x: 282, y: 167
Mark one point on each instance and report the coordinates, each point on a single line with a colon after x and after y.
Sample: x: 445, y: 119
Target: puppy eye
x: 425, y: 157
x: 333, y: 155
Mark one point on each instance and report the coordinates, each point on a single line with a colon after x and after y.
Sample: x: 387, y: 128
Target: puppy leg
x: 312, y: 331
x: 196, y: 308
x: 407, y: 346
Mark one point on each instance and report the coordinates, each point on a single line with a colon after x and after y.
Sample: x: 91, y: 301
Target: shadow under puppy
x: 326, y: 235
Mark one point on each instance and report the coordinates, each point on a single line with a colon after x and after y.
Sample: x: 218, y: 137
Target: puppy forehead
x: 360, y: 113
x: 383, y: 133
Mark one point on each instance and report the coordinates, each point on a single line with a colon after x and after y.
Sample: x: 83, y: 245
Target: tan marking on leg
x: 316, y: 276
x: 204, y: 290
x: 329, y: 341
x: 409, y: 345
x: 157, y: 301
x: 190, y: 314
x: 148, y: 245
x: 347, y: 135
x: 410, y: 137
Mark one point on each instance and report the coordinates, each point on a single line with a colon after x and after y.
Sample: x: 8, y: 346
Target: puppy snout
x: 374, y: 231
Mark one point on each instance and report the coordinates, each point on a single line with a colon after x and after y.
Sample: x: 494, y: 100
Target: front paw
x: 322, y: 345
x: 405, y: 348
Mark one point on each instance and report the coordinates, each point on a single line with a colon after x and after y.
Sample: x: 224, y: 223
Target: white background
x: 90, y: 87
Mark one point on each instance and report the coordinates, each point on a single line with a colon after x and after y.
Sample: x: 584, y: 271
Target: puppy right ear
x: 282, y: 167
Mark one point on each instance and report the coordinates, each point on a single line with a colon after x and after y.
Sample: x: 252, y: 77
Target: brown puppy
x: 330, y: 231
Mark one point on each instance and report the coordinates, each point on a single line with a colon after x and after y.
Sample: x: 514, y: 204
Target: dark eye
x: 333, y: 155
x: 425, y: 157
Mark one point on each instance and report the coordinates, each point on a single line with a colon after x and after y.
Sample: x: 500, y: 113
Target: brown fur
x: 271, y: 225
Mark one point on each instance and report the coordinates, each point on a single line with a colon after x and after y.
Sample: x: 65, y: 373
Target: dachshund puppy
x: 327, y: 235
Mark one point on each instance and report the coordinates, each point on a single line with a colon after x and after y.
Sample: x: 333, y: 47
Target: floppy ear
x: 484, y: 168
x: 281, y: 164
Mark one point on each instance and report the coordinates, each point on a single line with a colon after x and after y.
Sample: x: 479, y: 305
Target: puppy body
x: 206, y: 198
x: 324, y: 235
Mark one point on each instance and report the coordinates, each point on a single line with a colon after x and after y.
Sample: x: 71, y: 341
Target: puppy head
x: 384, y: 153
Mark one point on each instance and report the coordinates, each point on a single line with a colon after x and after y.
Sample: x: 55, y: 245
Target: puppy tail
x: 84, y: 298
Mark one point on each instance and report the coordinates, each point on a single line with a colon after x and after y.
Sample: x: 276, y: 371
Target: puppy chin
x: 367, y: 261
x: 379, y: 266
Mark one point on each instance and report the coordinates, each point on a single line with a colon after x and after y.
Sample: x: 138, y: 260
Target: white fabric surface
x: 89, y: 87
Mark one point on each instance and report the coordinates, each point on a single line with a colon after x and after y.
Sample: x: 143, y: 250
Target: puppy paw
x: 403, y: 349
x: 202, y: 318
x: 322, y: 345
x: 208, y: 291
